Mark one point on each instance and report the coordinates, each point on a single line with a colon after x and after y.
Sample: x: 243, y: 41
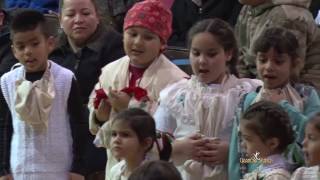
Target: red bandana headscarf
x: 150, y: 14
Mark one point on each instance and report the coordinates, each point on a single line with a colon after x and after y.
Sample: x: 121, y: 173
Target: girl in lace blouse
x: 199, y: 111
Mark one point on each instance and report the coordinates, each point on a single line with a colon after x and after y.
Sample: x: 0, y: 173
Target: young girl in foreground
x: 311, y: 149
x: 199, y: 111
x: 132, y: 136
x: 266, y: 132
x: 277, y: 65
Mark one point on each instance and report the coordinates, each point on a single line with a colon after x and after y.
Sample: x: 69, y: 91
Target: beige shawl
x: 116, y: 75
x: 292, y: 96
x: 33, y: 101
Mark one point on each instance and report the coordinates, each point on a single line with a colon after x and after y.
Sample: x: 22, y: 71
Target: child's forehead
x: 274, y: 51
x: 122, y: 127
x: 248, y: 125
x: 245, y: 131
x: 243, y: 125
x: 206, y: 41
x: 141, y: 29
x: 312, y: 127
x: 120, y: 124
x: 28, y: 35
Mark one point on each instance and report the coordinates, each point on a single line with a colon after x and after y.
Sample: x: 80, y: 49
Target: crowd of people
x: 85, y: 96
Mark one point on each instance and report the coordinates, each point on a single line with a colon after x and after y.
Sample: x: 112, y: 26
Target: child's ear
x: 163, y: 47
x: 229, y: 54
x: 296, y: 66
x: 13, y: 51
x: 147, y: 143
x: 273, y: 143
x: 51, y: 42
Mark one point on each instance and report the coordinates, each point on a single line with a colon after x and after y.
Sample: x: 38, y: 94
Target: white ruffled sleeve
x: 165, y: 121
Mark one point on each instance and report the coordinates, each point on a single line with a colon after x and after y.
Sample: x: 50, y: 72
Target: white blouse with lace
x: 190, y: 106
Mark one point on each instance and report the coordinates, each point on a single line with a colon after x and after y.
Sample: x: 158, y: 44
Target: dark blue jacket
x: 41, y: 5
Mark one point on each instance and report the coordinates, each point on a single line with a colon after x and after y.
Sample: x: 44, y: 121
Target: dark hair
x: 269, y: 120
x: 224, y: 35
x: 139, y: 121
x: 315, y: 120
x: 26, y: 20
x: 283, y: 41
x: 156, y: 170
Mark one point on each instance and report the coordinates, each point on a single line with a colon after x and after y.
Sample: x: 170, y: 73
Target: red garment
x: 132, y: 90
x: 136, y: 73
x: 150, y: 14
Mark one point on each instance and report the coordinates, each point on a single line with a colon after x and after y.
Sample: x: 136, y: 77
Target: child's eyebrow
x: 124, y: 130
x: 83, y: 9
x: 26, y: 41
x: 150, y: 33
x: 211, y: 49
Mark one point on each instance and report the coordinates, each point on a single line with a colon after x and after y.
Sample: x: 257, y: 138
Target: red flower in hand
x: 140, y: 93
x: 137, y: 92
x: 100, y: 94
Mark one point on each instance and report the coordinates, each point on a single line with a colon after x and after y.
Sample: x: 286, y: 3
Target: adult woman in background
x: 85, y: 47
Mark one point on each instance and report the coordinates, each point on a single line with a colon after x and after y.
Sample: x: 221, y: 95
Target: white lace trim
x: 193, y: 102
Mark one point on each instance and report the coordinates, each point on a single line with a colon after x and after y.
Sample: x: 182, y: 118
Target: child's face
x: 125, y: 143
x: 31, y: 48
x: 141, y: 45
x: 252, y: 143
x: 274, y: 68
x: 208, y: 58
x: 311, y: 145
x: 79, y: 20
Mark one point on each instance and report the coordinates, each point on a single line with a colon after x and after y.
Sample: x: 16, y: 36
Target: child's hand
x: 6, y: 177
x: 189, y: 147
x: 118, y: 100
x: 74, y: 176
x: 216, y: 152
x: 103, y: 111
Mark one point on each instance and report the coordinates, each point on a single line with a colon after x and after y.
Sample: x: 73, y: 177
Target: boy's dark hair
x: 156, y: 170
x: 315, y: 120
x: 139, y: 121
x: 26, y: 20
x: 269, y: 120
x: 223, y: 32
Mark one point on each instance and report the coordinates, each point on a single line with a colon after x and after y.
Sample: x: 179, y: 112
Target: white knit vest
x: 50, y: 151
